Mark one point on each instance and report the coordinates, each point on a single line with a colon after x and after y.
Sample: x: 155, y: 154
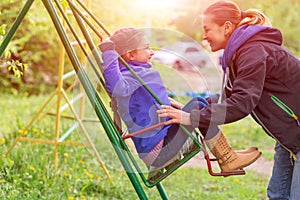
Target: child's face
x: 141, y: 55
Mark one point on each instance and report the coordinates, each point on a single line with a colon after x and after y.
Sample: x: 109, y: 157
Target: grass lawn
x: 28, y: 172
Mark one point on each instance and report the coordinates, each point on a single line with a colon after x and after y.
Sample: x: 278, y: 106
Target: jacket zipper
x: 285, y: 108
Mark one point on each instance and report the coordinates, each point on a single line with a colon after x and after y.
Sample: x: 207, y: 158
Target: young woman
x: 262, y: 80
x: 138, y: 108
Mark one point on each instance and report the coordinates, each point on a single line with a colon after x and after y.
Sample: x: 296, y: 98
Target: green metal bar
x: 15, y: 26
x: 80, y: 43
x: 88, y: 38
x: 92, y: 47
x: 162, y: 191
x: 73, y: 6
x: 97, y: 55
x: 95, y: 100
x: 94, y: 17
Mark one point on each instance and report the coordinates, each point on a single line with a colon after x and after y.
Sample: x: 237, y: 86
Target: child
x: 138, y: 108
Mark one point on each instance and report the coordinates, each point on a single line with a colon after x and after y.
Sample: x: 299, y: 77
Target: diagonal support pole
x: 15, y: 26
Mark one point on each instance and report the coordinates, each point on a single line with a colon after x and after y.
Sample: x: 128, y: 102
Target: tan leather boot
x: 249, y: 150
x: 229, y: 160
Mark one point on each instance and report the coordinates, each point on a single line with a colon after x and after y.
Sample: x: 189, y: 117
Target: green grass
x: 28, y: 172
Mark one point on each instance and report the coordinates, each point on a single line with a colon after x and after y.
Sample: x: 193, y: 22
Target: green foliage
x: 33, y: 47
x: 16, y: 67
x: 283, y: 16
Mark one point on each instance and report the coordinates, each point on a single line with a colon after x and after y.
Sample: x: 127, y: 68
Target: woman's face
x: 216, y: 35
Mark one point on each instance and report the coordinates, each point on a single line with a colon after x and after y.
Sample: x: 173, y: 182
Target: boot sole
x: 251, y: 162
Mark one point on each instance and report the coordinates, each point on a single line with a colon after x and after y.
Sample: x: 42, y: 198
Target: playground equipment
x: 61, y: 95
x: 110, y: 124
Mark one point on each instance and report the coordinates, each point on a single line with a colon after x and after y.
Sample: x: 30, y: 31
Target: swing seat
x: 158, y: 174
x: 155, y: 176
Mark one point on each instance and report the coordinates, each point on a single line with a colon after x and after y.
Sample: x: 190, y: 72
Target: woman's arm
x: 246, y: 92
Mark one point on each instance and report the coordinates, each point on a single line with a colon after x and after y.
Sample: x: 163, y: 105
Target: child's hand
x: 107, y: 45
x: 175, y: 104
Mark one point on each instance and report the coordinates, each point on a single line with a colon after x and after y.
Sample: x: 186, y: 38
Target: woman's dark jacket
x: 258, y: 69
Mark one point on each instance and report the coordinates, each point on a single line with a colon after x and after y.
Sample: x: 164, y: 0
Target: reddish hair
x: 223, y: 11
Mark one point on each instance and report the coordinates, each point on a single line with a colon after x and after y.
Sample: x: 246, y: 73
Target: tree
x: 34, y: 45
x: 283, y: 16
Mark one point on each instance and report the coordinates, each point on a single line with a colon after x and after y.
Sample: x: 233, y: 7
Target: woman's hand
x: 176, y: 104
x: 178, y: 116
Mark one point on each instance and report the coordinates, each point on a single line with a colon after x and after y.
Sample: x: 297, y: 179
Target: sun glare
x: 156, y: 4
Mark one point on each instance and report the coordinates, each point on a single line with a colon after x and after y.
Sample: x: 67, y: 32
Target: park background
x: 28, y: 75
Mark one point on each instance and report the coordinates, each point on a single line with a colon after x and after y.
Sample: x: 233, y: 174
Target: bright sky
x: 155, y: 4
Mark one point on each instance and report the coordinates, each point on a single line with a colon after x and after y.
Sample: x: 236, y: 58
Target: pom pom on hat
x: 128, y: 39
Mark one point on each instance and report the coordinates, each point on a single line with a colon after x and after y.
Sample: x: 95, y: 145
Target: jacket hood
x: 247, y: 33
x: 271, y: 35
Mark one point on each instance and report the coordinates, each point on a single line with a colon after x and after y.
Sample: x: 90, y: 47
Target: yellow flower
x: 71, y: 198
x: 235, y: 180
x: 23, y: 132
x: 244, y: 130
x: 91, y: 175
x: 31, y: 168
x: 2, y: 181
x: 82, y: 162
x: 2, y: 141
x: 66, y: 155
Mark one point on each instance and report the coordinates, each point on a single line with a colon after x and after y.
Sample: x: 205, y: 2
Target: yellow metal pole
x: 90, y: 143
x: 61, y: 65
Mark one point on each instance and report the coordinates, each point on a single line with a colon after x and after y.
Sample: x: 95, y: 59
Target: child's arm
x: 111, y: 71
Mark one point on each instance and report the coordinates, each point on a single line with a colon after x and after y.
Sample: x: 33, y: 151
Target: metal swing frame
x: 102, y: 113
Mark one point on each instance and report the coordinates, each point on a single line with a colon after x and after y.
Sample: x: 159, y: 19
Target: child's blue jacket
x: 136, y: 106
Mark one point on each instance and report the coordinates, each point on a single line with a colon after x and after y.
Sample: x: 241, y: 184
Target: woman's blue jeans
x: 285, y: 179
